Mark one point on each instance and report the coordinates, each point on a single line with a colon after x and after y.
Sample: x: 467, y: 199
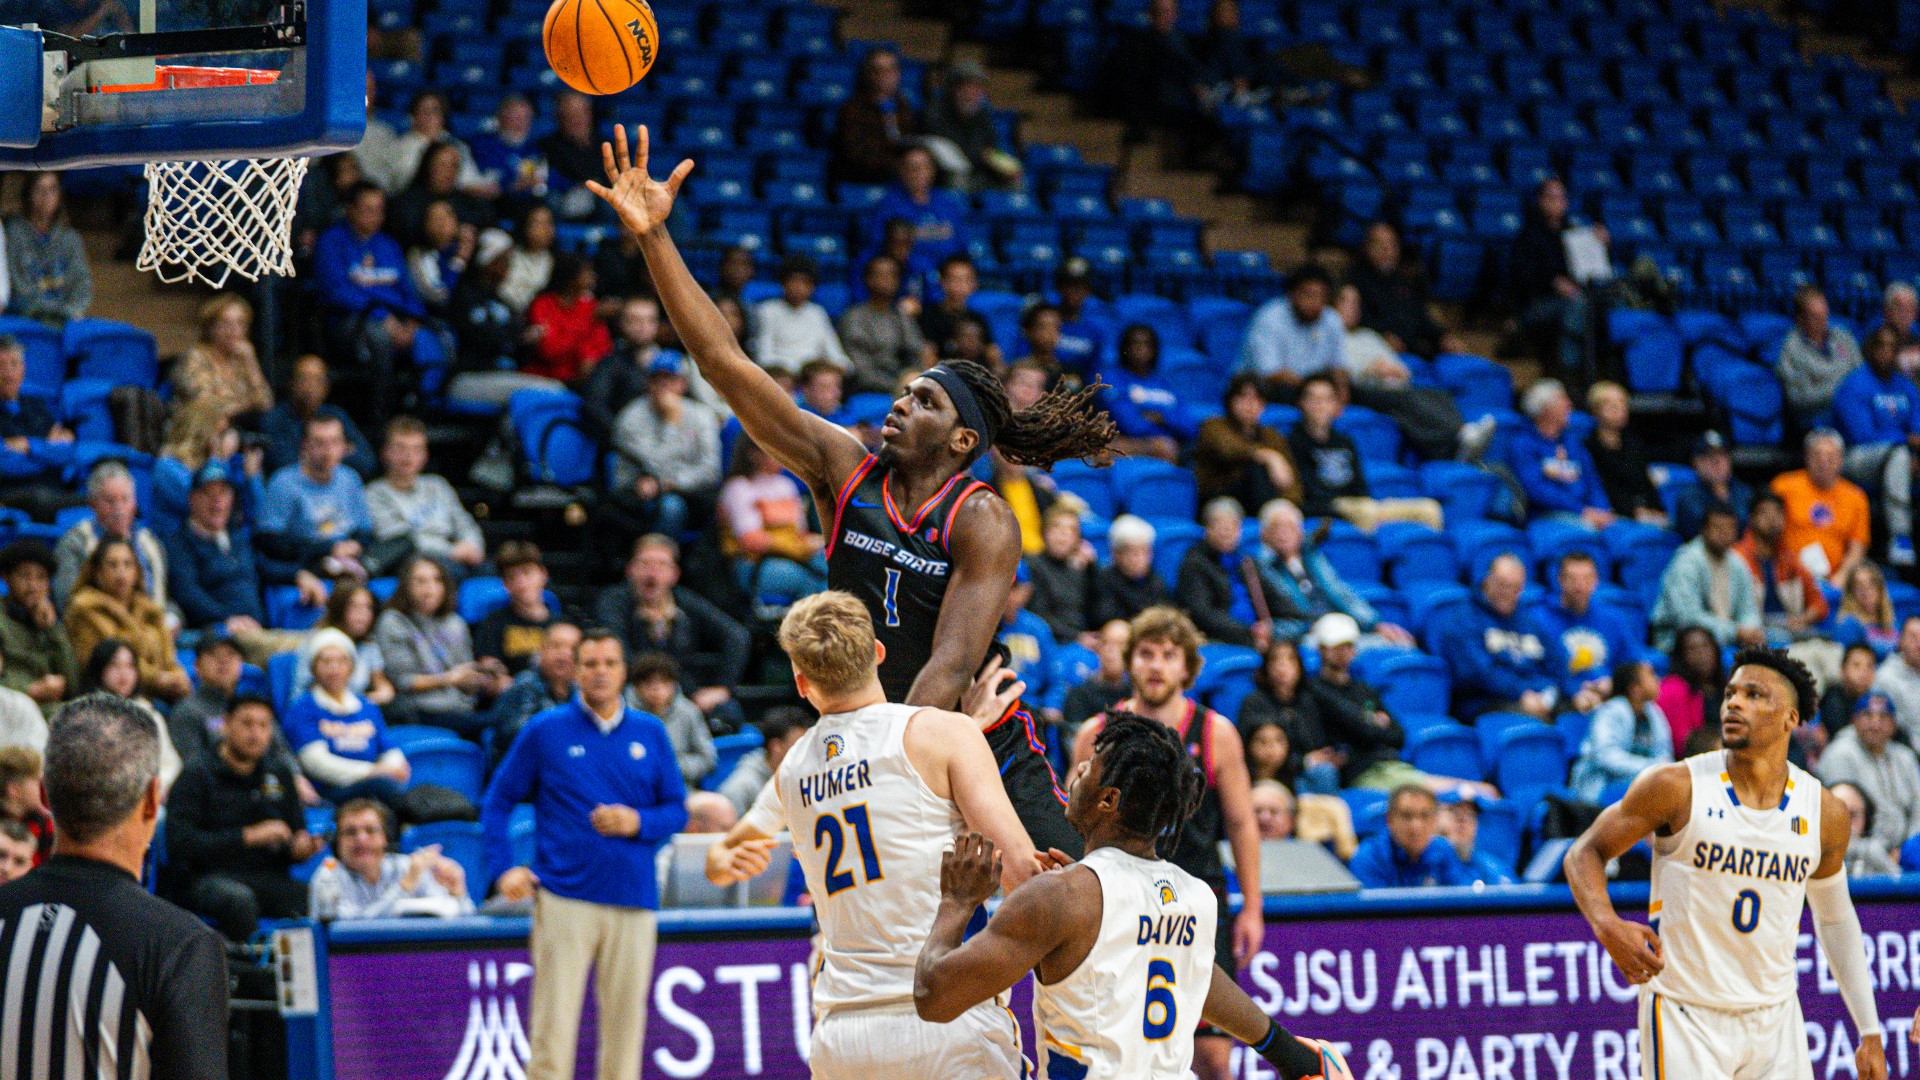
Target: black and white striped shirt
x: 102, y: 981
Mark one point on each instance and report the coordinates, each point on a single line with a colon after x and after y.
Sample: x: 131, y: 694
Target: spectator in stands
x: 235, y: 829
x: 1229, y: 60
x: 437, y: 181
x: 669, y: 465
x: 1553, y: 307
x: 427, y: 649
x: 765, y: 529
x: 509, y: 158
x: 875, y: 124
x: 791, y: 330
x: 46, y: 264
x: 1407, y: 854
x: 1629, y: 733
x: 1307, y: 585
x: 650, y: 612
x: 1027, y: 381
x: 305, y: 396
x: 110, y: 601
x: 1858, y: 666
x: 1503, y: 658
x: 1867, y: 756
x: 881, y: 334
x: 1280, y: 698
x: 1395, y: 295
x: 28, y: 481
x: 194, y: 723
x: 1460, y: 827
x: 367, y: 879
x: 1866, y: 610
x: 315, y: 513
x: 1877, y: 408
x: 1555, y: 471
x: 1082, y: 338
x: 1273, y: 807
x: 1029, y: 641
x: 222, y: 366
x: 16, y: 851
x: 573, y: 158
x: 1333, y: 480
x: 1215, y: 579
x: 1153, y: 78
x: 339, y: 736
x: 1593, y: 638
x: 1130, y: 584
x: 1619, y: 457
x: 489, y: 334
x: 961, y: 115
x: 958, y: 282
x: 1270, y: 756
x: 1695, y: 678
x: 1237, y: 456
x: 1900, y: 312
x: 1374, y: 376
x: 112, y: 668
x: 938, y: 216
x: 198, y: 435
x: 1143, y: 404
x: 1366, y: 356
x: 1899, y: 678
x: 546, y: 683
x: 352, y: 610
x: 1713, y: 485
x: 426, y: 128
x: 780, y: 729
x: 569, y: 337
x: 23, y: 799
x: 113, y: 500
x: 822, y: 389
x: 410, y: 504
x: 438, y: 255
x: 514, y: 634
x: 1351, y: 714
x: 1062, y: 575
x: 1108, y: 685
x: 213, y: 577
x: 1815, y: 357
x: 1865, y: 856
x: 1792, y: 604
x: 369, y: 311
x: 1828, y: 518
x: 654, y: 681
x: 530, y: 259
x: 1040, y: 339
x: 621, y: 378
x: 35, y: 655
x: 1296, y: 336
x: 374, y: 156
x: 1706, y: 585
x: 21, y: 721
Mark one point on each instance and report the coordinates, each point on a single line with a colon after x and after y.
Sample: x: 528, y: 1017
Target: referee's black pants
x: 236, y: 900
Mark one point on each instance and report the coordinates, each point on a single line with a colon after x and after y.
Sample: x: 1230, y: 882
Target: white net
x: 207, y: 220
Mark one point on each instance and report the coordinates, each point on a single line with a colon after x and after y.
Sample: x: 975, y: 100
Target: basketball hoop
x: 207, y: 220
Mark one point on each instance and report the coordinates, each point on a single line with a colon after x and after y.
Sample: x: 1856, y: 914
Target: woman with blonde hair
x: 1866, y: 605
x: 111, y: 601
x: 223, y: 368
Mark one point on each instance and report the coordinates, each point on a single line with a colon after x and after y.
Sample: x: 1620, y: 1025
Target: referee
x: 98, y: 978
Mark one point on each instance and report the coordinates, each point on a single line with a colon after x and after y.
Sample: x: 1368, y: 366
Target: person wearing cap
x: 1877, y: 409
x: 1792, y: 604
x: 35, y: 656
x: 1713, y: 484
x: 961, y: 115
x: 793, y: 331
x: 938, y: 215
x: 1351, y: 713
x: 1629, y: 733
x: 881, y: 334
x: 1083, y: 330
x: 412, y: 505
x: 214, y: 576
x: 668, y: 469
x: 1866, y: 755
x: 194, y: 723
x: 1829, y: 521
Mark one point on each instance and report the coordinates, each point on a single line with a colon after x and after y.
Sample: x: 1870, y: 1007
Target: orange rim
x: 186, y: 77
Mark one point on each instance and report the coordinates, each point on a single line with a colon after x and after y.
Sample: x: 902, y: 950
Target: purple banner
x: 1488, y: 997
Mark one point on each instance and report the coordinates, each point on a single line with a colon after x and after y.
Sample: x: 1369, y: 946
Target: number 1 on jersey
x: 893, y: 591
x: 827, y: 829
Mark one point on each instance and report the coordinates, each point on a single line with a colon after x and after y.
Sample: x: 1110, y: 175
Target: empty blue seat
x: 1172, y: 538
x: 1428, y: 605
x: 1415, y: 552
x: 280, y: 675
x: 114, y: 351
x: 1155, y: 488
x: 1092, y: 485
x: 1445, y: 750
x: 1551, y: 538
x: 83, y: 408
x: 1369, y: 810
x: 450, y: 762
x: 1409, y: 682
x: 1351, y: 552
x: 1465, y: 492
x: 1491, y: 727
x: 728, y: 750
x: 555, y: 448
x: 461, y: 841
x: 1478, y: 384
x: 1532, y: 760
x: 1479, y: 542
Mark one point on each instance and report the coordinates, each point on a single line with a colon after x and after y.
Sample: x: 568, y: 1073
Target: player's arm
x: 1659, y: 798
x: 821, y: 454
x: 744, y: 852
x: 985, y: 544
x: 1235, y: 787
x: 1230, y: 1009
x: 951, y: 977
x: 973, y: 783
x: 1837, y: 927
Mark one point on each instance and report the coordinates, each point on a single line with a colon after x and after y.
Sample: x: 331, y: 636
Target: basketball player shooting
x: 1741, y: 839
x: 1120, y: 944
x: 929, y: 550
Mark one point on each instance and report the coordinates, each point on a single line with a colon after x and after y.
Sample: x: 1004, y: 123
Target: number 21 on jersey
x: 828, y: 832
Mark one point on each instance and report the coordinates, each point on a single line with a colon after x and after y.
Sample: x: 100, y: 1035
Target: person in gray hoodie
x: 1815, y: 356
x: 1865, y: 755
x: 654, y: 687
x: 409, y: 502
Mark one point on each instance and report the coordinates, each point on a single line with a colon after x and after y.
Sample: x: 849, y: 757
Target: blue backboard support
x: 317, y: 106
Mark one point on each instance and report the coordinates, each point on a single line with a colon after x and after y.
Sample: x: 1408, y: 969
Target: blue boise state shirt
x: 1590, y: 644
x: 1870, y: 410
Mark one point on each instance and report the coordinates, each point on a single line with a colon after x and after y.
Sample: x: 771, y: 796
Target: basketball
x: 600, y: 46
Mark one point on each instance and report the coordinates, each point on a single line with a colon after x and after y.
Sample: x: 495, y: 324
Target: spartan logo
x: 641, y: 41
x: 495, y: 1046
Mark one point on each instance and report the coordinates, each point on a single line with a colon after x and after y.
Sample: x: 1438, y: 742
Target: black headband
x: 964, y: 403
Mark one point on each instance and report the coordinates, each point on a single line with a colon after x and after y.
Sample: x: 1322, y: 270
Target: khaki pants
x: 616, y: 943
x: 1367, y: 514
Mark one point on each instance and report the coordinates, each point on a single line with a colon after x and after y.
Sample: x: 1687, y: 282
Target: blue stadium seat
x: 1155, y: 488
x: 114, y: 351
x: 555, y: 448
x: 461, y: 841
x: 480, y: 597
x: 1368, y: 808
x: 1478, y: 542
x: 408, y: 736
x: 280, y: 674
x: 1222, y: 666
x: 1351, y: 551
x: 727, y: 751
x: 46, y: 355
x: 1491, y: 727
x: 1478, y: 384
x: 1552, y: 538
x: 1532, y: 761
x: 1377, y: 437
x: 1465, y: 492
x: 1573, y: 728
x: 1163, y: 315
x: 1092, y: 485
x: 1413, y: 552
x: 1409, y: 682
x: 1173, y: 536
x: 1445, y: 750
x: 83, y: 408
x: 451, y: 762
x: 1500, y: 830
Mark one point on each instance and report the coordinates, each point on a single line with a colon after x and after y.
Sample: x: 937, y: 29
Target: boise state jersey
x: 1131, y: 1007
x: 897, y: 564
x: 1728, y: 889
x: 869, y: 834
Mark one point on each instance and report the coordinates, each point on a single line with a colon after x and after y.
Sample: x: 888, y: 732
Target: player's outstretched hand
x: 992, y: 693
x: 1634, y: 947
x: 642, y: 202
x: 970, y: 871
x: 1870, y: 1059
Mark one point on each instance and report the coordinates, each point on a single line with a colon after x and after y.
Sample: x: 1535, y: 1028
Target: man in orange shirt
x: 1828, y: 519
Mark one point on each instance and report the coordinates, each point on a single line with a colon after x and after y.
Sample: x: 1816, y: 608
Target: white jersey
x: 1130, y: 1008
x: 1728, y: 889
x: 869, y: 835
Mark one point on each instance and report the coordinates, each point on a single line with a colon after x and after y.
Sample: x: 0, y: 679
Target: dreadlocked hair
x: 1159, y: 785
x: 1061, y: 425
x: 1795, y: 672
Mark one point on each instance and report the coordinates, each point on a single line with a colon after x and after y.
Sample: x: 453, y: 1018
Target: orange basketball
x: 600, y: 46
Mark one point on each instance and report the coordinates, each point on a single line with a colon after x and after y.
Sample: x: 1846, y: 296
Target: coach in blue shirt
x: 1410, y: 854
x: 606, y: 792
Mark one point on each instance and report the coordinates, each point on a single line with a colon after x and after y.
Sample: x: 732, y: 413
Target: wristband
x: 1286, y: 1053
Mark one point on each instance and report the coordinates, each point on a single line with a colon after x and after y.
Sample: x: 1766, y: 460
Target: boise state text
x: 1751, y: 862
x: 894, y: 553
